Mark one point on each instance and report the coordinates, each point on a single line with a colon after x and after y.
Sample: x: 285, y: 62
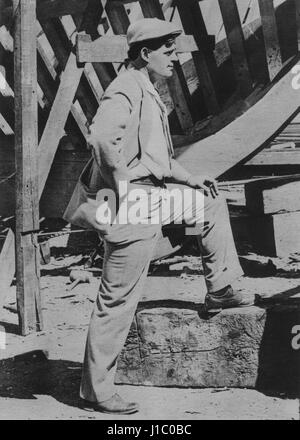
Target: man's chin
x: 170, y: 73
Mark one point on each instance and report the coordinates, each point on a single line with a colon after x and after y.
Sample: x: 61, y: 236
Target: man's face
x: 161, y: 61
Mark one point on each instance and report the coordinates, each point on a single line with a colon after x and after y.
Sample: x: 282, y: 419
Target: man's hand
x: 206, y: 183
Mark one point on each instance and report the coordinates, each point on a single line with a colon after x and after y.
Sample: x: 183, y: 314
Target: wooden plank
x: 26, y: 138
x: 117, y: 17
x: 193, y: 23
x: 7, y: 108
x: 106, y: 49
x: 241, y: 139
x: 49, y: 82
x: 62, y: 47
x: 104, y: 71
x: 113, y: 48
x: 54, y: 129
x: 272, y: 46
x: 274, y: 158
x: 235, y: 37
x: 47, y: 9
x: 275, y: 235
x: 7, y: 265
x: 297, y: 5
x: 273, y: 196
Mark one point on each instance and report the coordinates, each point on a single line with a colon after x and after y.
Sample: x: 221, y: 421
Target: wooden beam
x: 7, y: 108
x: 54, y: 129
x: 193, y: 23
x: 105, y: 72
x: 117, y: 16
x: 245, y: 136
x: 113, y: 48
x: 272, y: 46
x: 62, y: 47
x: 7, y: 265
x: 297, y: 5
x: 273, y: 196
x: 26, y: 138
x: 235, y: 37
x: 47, y: 9
x: 49, y: 82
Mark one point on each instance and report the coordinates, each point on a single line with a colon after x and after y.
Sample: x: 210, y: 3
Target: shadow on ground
x: 25, y: 376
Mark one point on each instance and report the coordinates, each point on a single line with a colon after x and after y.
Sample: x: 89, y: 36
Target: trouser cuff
x: 224, y: 279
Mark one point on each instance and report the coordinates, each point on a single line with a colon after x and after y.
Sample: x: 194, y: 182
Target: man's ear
x: 144, y: 54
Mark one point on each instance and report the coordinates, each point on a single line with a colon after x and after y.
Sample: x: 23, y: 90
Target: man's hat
x: 150, y: 28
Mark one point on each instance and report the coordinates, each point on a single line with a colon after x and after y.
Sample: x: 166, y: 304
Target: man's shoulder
x: 127, y: 84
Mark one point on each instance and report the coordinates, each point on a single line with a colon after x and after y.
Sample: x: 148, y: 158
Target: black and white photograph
x: 150, y: 212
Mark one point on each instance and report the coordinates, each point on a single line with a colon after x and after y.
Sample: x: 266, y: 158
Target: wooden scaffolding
x: 50, y: 95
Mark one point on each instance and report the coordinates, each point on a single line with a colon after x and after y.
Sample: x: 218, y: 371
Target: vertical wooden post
x: 26, y: 141
x: 297, y: 5
x: 193, y: 23
x: 269, y: 27
x: 118, y: 17
x: 236, y: 42
x: 177, y: 84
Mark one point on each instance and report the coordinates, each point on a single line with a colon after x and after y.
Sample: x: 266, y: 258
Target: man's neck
x: 145, y: 72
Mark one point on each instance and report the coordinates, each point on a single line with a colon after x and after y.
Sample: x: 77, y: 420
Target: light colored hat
x: 150, y: 28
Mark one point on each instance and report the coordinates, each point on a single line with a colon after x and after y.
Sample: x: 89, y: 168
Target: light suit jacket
x: 117, y: 135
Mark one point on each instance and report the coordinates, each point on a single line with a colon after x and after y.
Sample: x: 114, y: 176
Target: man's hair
x: 153, y: 44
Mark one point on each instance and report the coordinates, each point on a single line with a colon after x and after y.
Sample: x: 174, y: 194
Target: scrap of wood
x: 7, y: 265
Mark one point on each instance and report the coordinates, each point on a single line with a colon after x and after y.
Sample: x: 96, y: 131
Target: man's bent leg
x: 124, y: 272
x: 219, y: 256
x: 220, y: 260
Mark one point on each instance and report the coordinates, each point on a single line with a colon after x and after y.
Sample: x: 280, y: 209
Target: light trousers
x: 128, y: 251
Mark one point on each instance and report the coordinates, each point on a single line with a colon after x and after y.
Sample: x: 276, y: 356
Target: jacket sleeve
x: 107, y: 133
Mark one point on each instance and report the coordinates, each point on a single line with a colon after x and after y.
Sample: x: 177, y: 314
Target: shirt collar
x: 144, y: 78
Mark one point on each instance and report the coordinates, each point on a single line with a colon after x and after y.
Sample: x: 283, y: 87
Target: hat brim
x: 167, y: 36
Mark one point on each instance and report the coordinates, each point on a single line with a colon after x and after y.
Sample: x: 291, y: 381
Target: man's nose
x: 174, y: 57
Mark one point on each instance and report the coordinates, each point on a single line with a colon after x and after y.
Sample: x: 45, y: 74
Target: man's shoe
x: 113, y: 405
x: 225, y: 299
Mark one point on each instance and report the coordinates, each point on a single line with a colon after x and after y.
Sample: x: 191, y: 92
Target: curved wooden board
x: 247, y: 135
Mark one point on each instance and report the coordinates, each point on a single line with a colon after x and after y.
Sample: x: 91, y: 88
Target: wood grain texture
x: 273, y: 196
x: 235, y: 38
x: 54, y: 129
x: 170, y: 344
x: 272, y: 46
x: 193, y: 23
x: 114, y: 48
x: 26, y: 139
x: 240, y: 140
x: 7, y: 265
x: 297, y: 5
x: 47, y: 9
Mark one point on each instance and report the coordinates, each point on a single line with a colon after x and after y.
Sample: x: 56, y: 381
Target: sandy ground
x: 33, y: 387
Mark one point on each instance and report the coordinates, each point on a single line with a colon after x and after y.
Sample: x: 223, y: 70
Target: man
x: 132, y: 146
